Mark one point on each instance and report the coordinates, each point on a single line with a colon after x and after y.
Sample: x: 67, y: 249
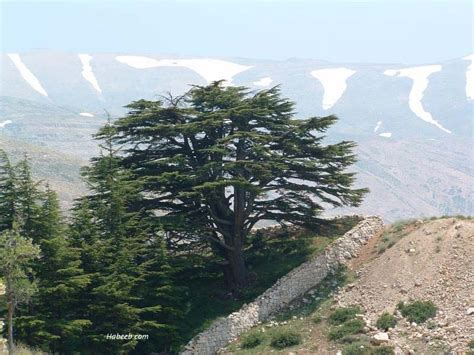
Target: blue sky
x: 409, y: 31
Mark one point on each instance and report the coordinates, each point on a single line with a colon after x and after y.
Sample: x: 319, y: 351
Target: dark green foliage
x: 219, y: 159
x: 470, y: 345
x: 285, y: 339
x: 352, y: 326
x: 7, y: 193
x: 418, y: 311
x: 364, y: 348
x: 385, y: 321
x: 358, y: 348
x: 383, y: 350
x: 252, y: 340
x: 342, y: 315
x: 131, y: 288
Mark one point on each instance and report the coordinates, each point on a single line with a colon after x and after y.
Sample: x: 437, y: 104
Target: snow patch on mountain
x: 385, y: 134
x: 334, y: 83
x: 87, y: 72
x: 210, y: 69
x: 419, y: 75
x: 4, y: 123
x: 263, y: 82
x: 86, y: 114
x: 377, y: 126
x: 27, y: 74
x: 470, y: 77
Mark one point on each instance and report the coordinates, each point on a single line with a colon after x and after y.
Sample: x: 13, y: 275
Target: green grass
x: 270, y: 255
x: 344, y: 314
x: 418, y: 311
x: 365, y: 348
x: 393, y: 234
x: 350, y: 327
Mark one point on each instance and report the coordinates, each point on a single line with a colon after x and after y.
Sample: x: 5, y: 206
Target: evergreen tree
x: 27, y: 200
x: 7, y: 193
x: 16, y: 253
x: 53, y: 321
x: 131, y: 288
x: 218, y: 160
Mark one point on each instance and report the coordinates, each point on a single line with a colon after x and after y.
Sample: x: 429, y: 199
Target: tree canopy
x: 218, y: 160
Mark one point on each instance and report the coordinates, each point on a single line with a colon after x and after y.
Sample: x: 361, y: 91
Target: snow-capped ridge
x: 264, y: 82
x: 377, y: 126
x: 87, y: 72
x: 334, y: 83
x: 210, y: 69
x: 86, y: 114
x: 26, y: 73
x: 470, y: 77
x: 419, y: 75
x: 4, y: 123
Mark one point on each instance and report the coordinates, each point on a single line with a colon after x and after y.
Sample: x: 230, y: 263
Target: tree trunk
x: 10, y: 309
x: 236, y: 275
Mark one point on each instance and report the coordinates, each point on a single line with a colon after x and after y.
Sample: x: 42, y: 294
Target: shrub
x: 251, y: 341
x: 342, y: 315
x: 418, y: 311
x: 357, y: 349
x: 317, y: 319
x: 383, y: 350
x: 352, y: 326
x: 385, y: 321
x: 470, y: 345
x: 285, y: 339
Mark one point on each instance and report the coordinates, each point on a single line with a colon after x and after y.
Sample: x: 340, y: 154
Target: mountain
x: 413, y: 123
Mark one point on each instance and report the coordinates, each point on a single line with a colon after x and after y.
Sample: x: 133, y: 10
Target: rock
x: 470, y: 311
x: 380, y: 338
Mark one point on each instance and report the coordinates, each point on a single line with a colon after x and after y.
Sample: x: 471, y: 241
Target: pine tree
x: 16, y: 253
x: 216, y: 161
x: 131, y: 289
x: 7, y: 193
x: 52, y: 321
x: 27, y: 199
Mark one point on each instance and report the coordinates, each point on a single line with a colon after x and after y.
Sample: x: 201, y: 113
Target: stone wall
x: 293, y: 285
x: 3, y: 344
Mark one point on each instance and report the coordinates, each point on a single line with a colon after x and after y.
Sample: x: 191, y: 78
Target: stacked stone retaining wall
x: 291, y: 286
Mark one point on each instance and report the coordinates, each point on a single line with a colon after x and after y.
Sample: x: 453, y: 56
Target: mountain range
x: 413, y: 123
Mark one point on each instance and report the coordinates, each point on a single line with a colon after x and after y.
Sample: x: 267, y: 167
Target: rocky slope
x: 418, y: 260
x: 434, y: 261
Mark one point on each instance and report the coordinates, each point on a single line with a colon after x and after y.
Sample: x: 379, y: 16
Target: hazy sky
x: 410, y: 31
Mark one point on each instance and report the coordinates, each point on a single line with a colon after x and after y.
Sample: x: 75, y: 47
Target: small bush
x: 470, y: 345
x: 357, y: 349
x: 383, y: 350
x: 285, y: 339
x: 317, y: 319
x: 352, y: 326
x: 385, y: 321
x: 251, y: 341
x: 418, y: 311
x: 342, y: 315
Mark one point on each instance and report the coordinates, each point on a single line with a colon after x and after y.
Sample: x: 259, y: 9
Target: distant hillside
x: 61, y: 171
x: 413, y: 124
